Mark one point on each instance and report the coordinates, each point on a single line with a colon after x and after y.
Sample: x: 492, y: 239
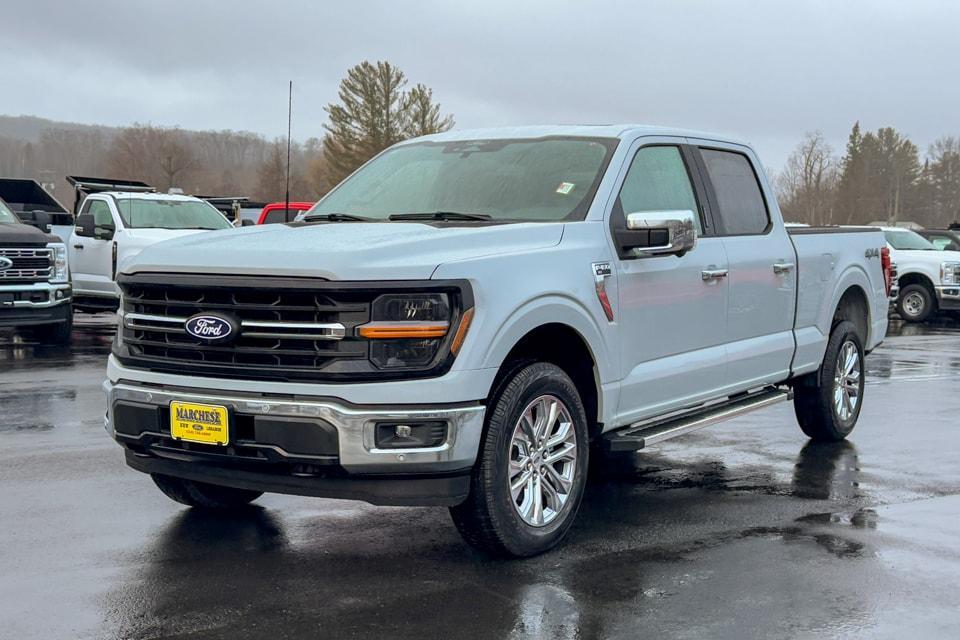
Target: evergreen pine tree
x: 375, y: 112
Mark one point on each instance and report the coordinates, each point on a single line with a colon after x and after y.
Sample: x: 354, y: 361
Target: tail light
x: 887, y: 269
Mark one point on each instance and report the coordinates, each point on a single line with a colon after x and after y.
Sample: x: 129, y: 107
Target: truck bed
x: 831, y: 260
x: 25, y: 197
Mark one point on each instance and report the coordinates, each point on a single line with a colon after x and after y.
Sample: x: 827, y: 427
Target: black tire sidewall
x: 535, y: 380
x: 928, y: 299
x: 842, y: 333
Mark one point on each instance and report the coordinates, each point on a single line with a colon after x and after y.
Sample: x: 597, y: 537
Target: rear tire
x: 827, y: 402
x: 915, y: 303
x: 202, y: 495
x: 531, y: 473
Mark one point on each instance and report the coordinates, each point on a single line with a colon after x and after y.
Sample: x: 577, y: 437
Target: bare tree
x: 174, y: 157
x: 808, y: 183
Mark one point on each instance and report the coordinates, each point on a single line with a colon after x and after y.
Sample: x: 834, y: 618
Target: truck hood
x: 22, y: 233
x: 147, y: 236
x: 341, y: 251
x: 134, y: 241
x: 905, y: 256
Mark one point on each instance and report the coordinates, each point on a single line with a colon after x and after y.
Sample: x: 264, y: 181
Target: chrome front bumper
x: 55, y: 294
x: 355, y: 426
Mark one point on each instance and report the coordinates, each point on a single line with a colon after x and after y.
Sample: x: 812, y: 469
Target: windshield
x: 6, y: 216
x: 537, y: 180
x: 908, y: 240
x: 141, y: 213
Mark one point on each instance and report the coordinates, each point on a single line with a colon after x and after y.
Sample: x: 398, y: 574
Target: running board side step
x: 639, y: 435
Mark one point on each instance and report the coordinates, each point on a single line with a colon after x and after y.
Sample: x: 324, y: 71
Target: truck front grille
x: 29, y: 264
x: 288, y: 329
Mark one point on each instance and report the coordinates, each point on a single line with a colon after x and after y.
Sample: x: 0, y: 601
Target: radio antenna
x: 286, y: 203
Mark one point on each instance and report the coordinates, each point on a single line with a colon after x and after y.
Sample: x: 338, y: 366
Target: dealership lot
x: 741, y: 530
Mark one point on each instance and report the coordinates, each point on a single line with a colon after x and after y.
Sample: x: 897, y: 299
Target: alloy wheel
x: 543, y: 460
x: 846, y: 381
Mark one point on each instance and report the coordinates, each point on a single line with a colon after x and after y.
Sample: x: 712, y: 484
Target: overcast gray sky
x: 765, y: 70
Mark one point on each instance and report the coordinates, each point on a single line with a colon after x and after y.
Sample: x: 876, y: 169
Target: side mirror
x: 104, y: 231
x: 41, y: 220
x: 247, y: 222
x: 658, y: 233
x: 85, y: 225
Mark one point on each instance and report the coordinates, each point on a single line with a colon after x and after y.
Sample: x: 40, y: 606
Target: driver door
x: 673, y: 309
x: 91, y: 255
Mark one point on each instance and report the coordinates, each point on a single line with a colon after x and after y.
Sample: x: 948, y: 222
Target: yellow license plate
x: 206, y: 423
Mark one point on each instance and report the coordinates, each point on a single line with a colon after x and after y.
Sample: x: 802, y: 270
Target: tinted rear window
x: 743, y: 210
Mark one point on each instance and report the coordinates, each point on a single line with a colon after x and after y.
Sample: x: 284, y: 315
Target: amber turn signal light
x: 461, y: 333
x: 399, y: 330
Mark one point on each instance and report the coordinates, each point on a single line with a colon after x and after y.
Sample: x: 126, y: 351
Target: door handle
x: 782, y: 267
x: 78, y: 246
x: 713, y: 274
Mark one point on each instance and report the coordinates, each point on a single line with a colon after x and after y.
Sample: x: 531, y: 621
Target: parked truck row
x: 111, y: 220
x: 472, y: 318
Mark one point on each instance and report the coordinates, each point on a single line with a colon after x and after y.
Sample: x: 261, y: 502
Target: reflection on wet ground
x: 744, y: 530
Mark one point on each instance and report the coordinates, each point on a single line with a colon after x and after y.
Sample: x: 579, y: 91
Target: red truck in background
x: 277, y: 212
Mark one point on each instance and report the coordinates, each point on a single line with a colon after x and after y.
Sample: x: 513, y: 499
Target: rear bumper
x: 306, y: 446
x: 34, y: 304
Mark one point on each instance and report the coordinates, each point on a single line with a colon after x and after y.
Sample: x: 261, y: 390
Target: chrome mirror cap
x: 671, y: 232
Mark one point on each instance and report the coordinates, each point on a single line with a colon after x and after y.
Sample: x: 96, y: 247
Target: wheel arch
x: 854, y: 306
x: 916, y: 277
x: 923, y: 280
x: 561, y: 340
x: 851, y: 301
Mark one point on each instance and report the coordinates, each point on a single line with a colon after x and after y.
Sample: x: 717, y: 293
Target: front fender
x: 552, y: 309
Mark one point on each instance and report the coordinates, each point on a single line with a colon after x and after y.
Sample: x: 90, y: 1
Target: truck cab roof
x: 167, y: 197
x: 619, y: 131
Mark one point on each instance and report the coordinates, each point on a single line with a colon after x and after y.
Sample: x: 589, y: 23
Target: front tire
x: 202, y: 495
x: 915, y: 303
x: 828, y: 402
x: 532, y: 467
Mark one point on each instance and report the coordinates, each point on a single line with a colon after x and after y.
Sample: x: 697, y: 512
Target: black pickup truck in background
x: 35, y: 288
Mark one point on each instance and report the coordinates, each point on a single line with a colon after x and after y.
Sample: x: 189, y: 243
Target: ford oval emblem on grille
x: 5, y: 263
x: 211, y: 328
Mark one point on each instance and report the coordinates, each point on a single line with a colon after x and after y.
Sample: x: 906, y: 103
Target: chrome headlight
x: 60, y: 274
x: 950, y: 272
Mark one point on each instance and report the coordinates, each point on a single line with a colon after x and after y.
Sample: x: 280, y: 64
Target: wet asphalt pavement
x: 743, y: 530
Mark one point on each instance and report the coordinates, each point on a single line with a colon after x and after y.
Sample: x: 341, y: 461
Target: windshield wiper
x: 336, y: 217
x: 440, y: 215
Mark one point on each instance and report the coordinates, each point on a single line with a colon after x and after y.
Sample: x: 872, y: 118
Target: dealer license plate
x: 205, y: 423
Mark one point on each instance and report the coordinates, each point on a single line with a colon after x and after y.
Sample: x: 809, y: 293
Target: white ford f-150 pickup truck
x: 471, y: 317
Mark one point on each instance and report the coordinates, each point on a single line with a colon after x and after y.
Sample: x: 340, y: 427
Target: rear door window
x: 742, y: 209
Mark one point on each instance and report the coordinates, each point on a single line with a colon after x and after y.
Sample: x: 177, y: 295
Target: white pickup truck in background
x: 114, y: 225
x: 928, y: 278
x: 459, y: 321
